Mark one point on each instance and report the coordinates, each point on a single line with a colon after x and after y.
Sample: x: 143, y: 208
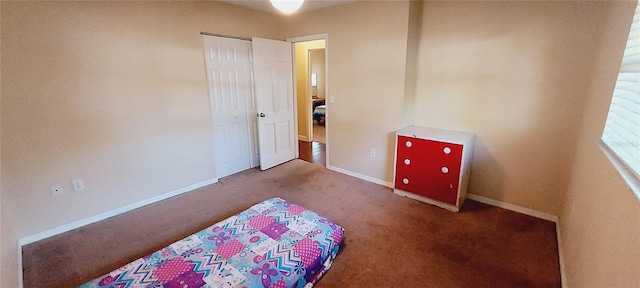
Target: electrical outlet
x: 373, y: 152
x: 56, y: 190
x: 78, y: 185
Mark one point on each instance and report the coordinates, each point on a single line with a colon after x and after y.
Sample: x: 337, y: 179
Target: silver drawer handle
x: 447, y: 150
x: 445, y: 170
x: 407, y: 161
x: 405, y: 181
x: 408, y: 144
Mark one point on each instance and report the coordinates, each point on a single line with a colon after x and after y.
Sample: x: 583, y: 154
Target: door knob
x: 261, y: 115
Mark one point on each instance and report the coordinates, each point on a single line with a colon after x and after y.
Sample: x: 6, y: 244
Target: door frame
x: 325, y: 37
x: 310, y: 93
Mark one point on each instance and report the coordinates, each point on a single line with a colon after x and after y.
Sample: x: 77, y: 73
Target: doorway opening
x: 311, y: 96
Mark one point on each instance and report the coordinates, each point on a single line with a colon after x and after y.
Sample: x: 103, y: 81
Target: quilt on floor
x: 274, y: 243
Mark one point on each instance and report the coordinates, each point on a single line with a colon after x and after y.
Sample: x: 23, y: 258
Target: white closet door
x: 229, y: 83
x: 273, y: 72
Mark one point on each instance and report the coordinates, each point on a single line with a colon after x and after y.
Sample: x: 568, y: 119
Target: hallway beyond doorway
x: 313, y: 152
x: 319, y: 133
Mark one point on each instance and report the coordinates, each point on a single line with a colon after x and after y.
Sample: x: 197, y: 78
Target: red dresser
x: 432, y: 165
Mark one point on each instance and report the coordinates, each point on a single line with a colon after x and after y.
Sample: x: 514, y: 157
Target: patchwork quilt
x: 274, y: 243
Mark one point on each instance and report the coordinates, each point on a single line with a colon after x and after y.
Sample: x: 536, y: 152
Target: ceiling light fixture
x: 287, y: 6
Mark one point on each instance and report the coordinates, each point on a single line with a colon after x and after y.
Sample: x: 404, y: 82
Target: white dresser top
x: 449, y: 136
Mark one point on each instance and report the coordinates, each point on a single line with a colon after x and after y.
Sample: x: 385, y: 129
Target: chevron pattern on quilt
x: 124, y: 281
x: 285, y: 216
x: 284, y: 259
x: 142, y: 274
x: 208, y: 263
x: 325, y: 245
x: 238, y: 227
x: 118, y: 284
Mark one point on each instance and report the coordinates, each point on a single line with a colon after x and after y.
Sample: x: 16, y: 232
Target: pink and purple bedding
x: 274, y: 243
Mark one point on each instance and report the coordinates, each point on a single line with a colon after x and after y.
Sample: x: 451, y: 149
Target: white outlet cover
x: 78, y: 185
x: 56, y: 190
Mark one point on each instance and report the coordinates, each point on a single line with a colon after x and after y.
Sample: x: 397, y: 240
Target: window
x: 621, y: 135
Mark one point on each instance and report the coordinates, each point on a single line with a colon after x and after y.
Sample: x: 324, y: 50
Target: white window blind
x: 622, y: 129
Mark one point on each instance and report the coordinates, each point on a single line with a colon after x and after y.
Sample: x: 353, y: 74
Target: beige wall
x: 366, y: 55
x: 414, y: 31
x: 600, y: 220
x: 114, y: 93
x: 515, y: 74
x: 303, y: 93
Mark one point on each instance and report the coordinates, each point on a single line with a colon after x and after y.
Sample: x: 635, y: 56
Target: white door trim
x: 325, y: 37
x: 309, y: 111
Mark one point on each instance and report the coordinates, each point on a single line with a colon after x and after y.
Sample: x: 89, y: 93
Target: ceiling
x: 265, y: 5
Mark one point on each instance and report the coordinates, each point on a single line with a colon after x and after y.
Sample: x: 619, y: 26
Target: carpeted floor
x: 391, y: 241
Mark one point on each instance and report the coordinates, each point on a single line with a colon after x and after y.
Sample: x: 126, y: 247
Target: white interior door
x: 230, y: 91
x: 273, y: 72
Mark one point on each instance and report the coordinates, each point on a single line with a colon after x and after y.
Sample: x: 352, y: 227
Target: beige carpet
x: 391, y: 241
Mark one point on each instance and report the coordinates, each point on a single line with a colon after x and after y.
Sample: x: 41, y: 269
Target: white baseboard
x: 303, y: 138
x: 20, y: 273
x: 563, y: 276
x: 515, y: 208
x: 77, y: 224
x: 361, y: 176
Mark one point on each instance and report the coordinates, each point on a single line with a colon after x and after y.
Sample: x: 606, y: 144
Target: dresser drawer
x: 428, y: 168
